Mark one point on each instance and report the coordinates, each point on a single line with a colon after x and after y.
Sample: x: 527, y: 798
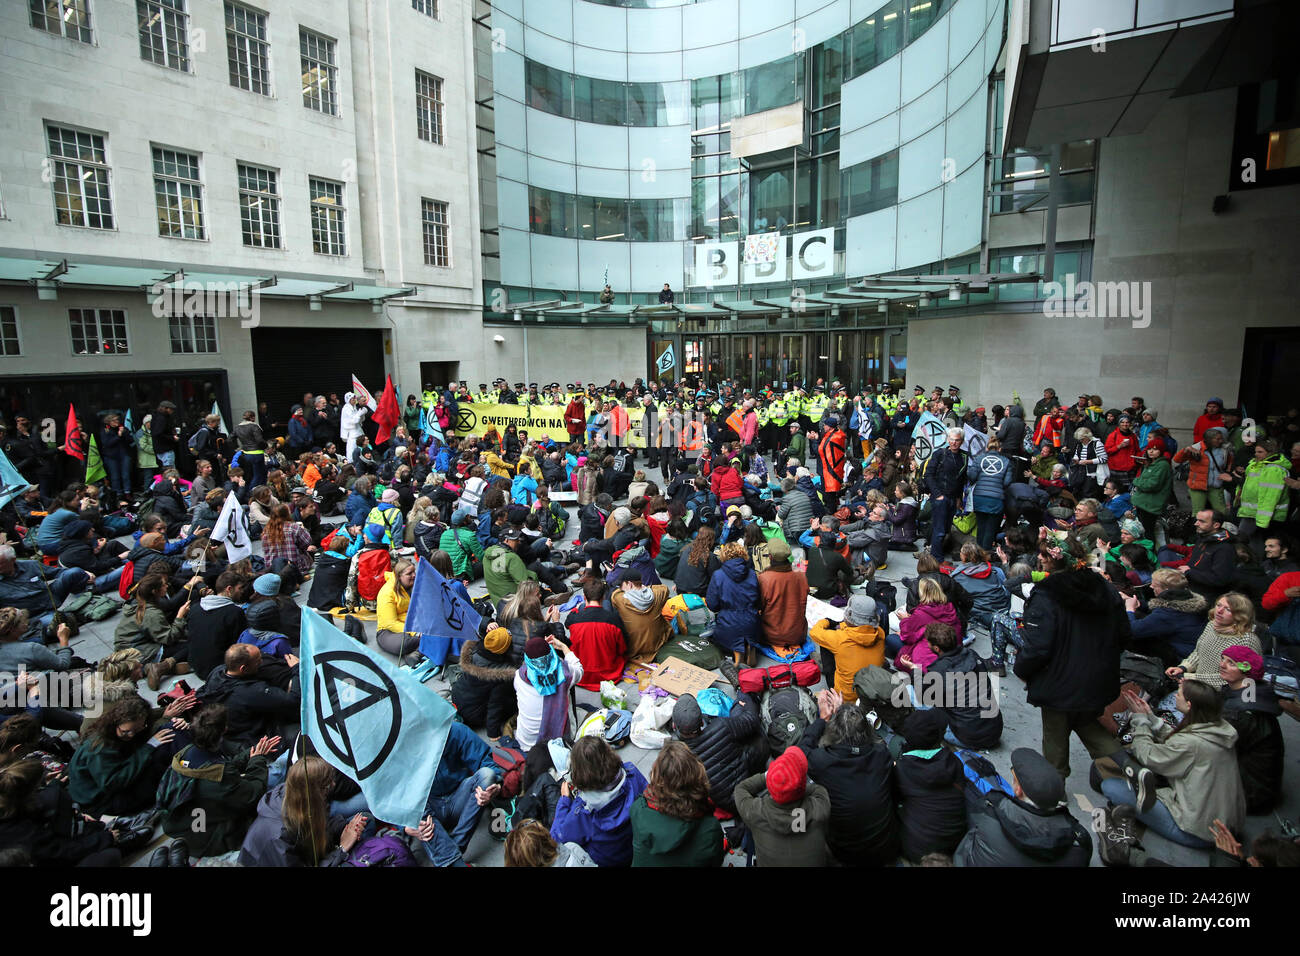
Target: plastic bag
x: 646, y: 721
x: 611, y: 695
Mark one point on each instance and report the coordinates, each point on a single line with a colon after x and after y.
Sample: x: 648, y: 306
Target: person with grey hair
x: 945, y: 480
x: 1088, y: 464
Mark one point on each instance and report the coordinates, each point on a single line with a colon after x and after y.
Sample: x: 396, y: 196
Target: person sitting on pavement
x: 787, y: 817
x: 672, y: 820
x: 595, y: 809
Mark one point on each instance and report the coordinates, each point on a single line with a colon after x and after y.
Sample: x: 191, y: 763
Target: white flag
x: 975, y: 441
x: 359, y: 389
x: 216, y: 410
x: 232, y: 528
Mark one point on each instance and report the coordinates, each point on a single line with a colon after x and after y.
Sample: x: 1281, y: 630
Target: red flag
x: 74, y: 444
x: 387, y: 415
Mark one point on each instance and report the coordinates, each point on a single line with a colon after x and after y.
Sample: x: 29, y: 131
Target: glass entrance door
x: 790, y: 367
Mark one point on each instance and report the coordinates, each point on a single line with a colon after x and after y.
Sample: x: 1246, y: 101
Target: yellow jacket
x: 498, y: 465
x: 854, y: 648
x: 391, y: 606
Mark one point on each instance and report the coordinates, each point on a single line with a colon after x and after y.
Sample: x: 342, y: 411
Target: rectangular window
x: 428, y: 7
x: 259, y: 206
x: 192, y: 333
x: 98, y: 331
x: 437, y: 248
x: 247, y: 50
x: 876, y: 38
x: 178, y: 194
x: 9, y: 344
x: 548, y: 89
x: 871, y: 185
x: 428, y: 107
x: 79, y: 171
x: 328, y: 226
x: 63, y: 18
x: 164, y: 33
x: 599, y: 101
x: 320, y: 75
x: 550, y: 213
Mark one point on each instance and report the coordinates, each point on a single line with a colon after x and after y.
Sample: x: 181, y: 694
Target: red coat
x: 599, y: 642
x: 575, y: 418
x: 726, y: 484
x: 1204, y: 422
x: 1121, y: 459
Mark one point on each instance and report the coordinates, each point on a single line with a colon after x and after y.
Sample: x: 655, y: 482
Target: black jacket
x: 81, y: 554
x: 1008, y: 832
x: 1260, y: 749
x: 932, y: 807
x: 970, y: 724
x: 722, y: 747
x: 1211, y: 567
x: 945, y: 473
x: 863, y: 828
x: 1074, y: 629
x: 328, y: 580
x: 961, y: 600
x: 52, y: 832
x: 213, y: 626
x: 1011, y: 431
x: 485, y: 691
x: 828, y: 573
x: 254, y: 707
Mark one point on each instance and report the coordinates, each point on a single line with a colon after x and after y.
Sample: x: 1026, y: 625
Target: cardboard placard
x: 678, y: 677
x: 818, y: 610
x: 565, y: 497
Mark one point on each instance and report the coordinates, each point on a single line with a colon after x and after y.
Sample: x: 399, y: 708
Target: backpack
x: 786, y: 713
x: 613, y: 724
x: 981, y: 774
x: 147, y: 507
x: 696, y: 620
x: 554, y: 519
x: 386, y: 850
x: 754, y: 680
x: 124, y: 582
x: 510, y: 764
x: 197, y: 441
x: 692, y: 649
x: 371, y: 568
x: 99, y: 608
x: 1147, y: 672
x: 882, y: 592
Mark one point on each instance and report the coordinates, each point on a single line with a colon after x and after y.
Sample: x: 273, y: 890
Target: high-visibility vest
x: 736, y: 420
x: 763, y: 416
x: 777, y: 414
x: 693, y: 436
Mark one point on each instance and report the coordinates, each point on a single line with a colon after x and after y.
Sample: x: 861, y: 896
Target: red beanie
x: 787, y: 777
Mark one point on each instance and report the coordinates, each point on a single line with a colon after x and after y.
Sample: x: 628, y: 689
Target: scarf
x: 548, y: 675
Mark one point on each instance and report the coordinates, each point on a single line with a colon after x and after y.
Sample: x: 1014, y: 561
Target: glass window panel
x: 548, y: 89
x: 877, y: 38
x: 599, y: 101
x: 770, y: 85
x: 770, y: 199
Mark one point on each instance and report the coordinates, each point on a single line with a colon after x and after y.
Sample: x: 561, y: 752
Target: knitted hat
x: 1156, y: 442
x: 787, y: 777
x: 497, y: 641
x: 861, y: 610
x: 1133, y: 527
x: 1038, y: 779
x: 374, y: 533
x: 391, y: 497
x: 1249, y: 662
x: 267, y: 584
x: 925, y: 728
x: 536, y: 647
x: 687, y: 718
x: 263, y: 615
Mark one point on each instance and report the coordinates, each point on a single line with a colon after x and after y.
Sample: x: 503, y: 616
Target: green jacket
x: 1150, y: 547
x: 97, y: 776
x: 504, y: 571
x: 669, y: 551
x: 210, y: 800
x: 151, y: 633
x: 798, y: 447
x: 1263, y: 493
x: 1151, y: 489
x: 463, y: 546
x: 661, y: 840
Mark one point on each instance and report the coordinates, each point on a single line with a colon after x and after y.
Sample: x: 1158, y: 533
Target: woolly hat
x: 267, y: 584
x: 925, y: 728
x: 687, y: 717
x: 374, y: 533
x: 390, y: 497
x: 536, y: 647
x: 496, y: 641
x: 861, y: 610
x: 1249, y: 662
x: 1038, y: 778
x: 787, y: 777
x: 1133, y: 527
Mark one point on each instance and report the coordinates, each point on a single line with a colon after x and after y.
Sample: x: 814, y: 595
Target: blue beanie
x: 267, y: 584
x: 374, y: 533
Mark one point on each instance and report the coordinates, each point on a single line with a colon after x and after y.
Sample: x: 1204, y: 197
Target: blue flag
x: 371, y: 720
x: 443, y: 619
x: 12, y: 483
x: 431, y: 426
x: 127, y: 422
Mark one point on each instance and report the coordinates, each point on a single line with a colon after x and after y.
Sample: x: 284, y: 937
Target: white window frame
x: 18, y: 332
x: 331, y: 224
x: 84, y: 30
x: 60, y: 163
x: 428, y: 7
x: 98, y: 315
x: 429, y: 227
x: 172, y: 20
x: 322, y: 98
x: 271, y: 199
x: 240, y: 42
x: 174, y: 184
x: 430, y: 109
x: 186, y: 328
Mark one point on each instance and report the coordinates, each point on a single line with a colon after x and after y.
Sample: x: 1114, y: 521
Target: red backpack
x: 372, y: 566
x: 124, y: 582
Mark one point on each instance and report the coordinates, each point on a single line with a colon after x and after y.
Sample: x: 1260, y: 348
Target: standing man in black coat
x: 1075, y: 627
x: 945, y: 480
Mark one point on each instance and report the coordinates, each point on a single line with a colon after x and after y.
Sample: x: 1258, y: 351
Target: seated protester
x: 1174, y: 620
x: 733, y: 528
x: 1116, y: 500
x: 484, y: 694
x: 928, y: 782
x: 1199, y: 781
x: 1251, y: 707
x: 542, y: 684
x: 847, y: 758
x: 116, y: 769
x: 39, y: 820
x: 554, y: 474
x: 1130, y: 532
x: 148, y: 556
x: 1032, y: 828
x: 902, y: 516
x: 731, y: 747
x: 593, y: 517
x: 98, y: 556
x: 972, y: 710
x: 360, y: 502
x: 463, y: 545
x: 1277, y: 556
x: 30, y: 506
x: 672, y: 821
x: 220, y: 785
x: 829, y: 575
x: 287, y: 547
x: 1093, y: 523
x: 367, y: 570
x: 927, y: 566
x: 703, y: 505
x: 697, y: 564
x: 269, y: 588
x: 675, y: 539
x: 465, y: 782
x: 217, y: 621
x: 391, y: 607
x: 388, y: 514
x: 530, y: 844
x: 1249, y: 576
x: 596, y: 635
x: 733, y: 598
x: 31, y: 585
x: 524, y: 617
x: 1232, y: 621
x: 153, y: 522
x: 237, y: 484
x: 246, y: 683
x: 209, y: 510
x: 523, y: 487
x: 329, y: 576
x: 163, y: 644
x: 263, y: 621
x: 293, y: 826
x: 66, y: 509
x: 910, y: 650
x: 788, y: 823
x: 870, y: 536
x: 261, y: 503
x: 426, y: 530
x: 849, y: 646
x: 18, y: 654
x: 595, y: 809
x: 1209, y: 564
x: 985, y: 583
x: 640, y: 609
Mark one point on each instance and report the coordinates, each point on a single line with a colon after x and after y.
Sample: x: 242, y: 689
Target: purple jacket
x: 606, y: 834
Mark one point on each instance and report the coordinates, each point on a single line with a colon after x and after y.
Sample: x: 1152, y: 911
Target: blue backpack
x: 981, y: 774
